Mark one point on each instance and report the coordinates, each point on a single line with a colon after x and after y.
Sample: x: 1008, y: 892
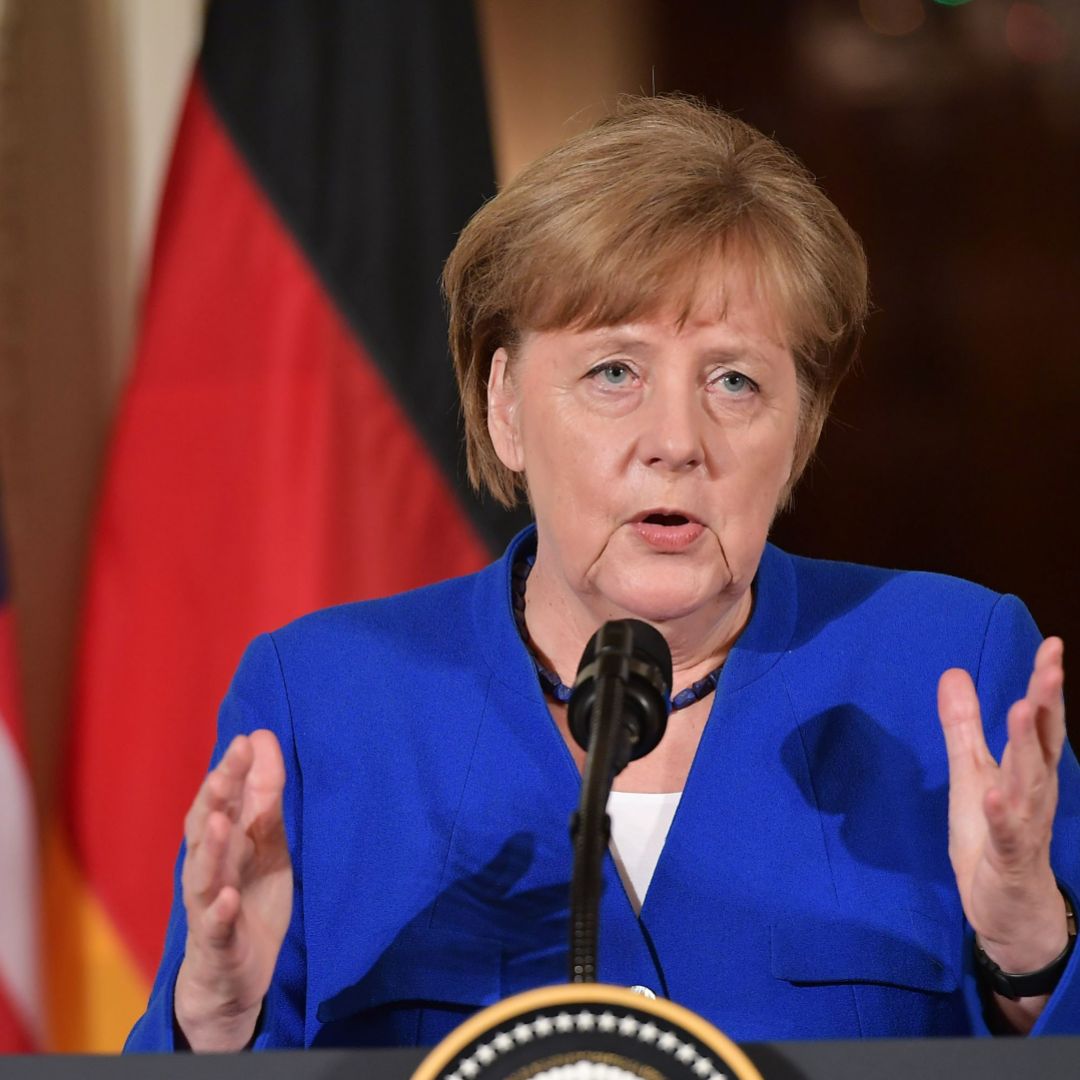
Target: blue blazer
x: 804, y: 890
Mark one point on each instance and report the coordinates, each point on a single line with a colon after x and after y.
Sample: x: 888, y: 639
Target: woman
x: 648, y: 326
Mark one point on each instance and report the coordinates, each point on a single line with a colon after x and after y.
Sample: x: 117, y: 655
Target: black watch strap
x: 1032, y: 983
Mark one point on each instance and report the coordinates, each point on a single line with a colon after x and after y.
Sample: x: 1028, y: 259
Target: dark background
x: 954, y: 150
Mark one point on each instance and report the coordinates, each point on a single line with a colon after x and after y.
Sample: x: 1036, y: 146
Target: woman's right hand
x: 237, y: 884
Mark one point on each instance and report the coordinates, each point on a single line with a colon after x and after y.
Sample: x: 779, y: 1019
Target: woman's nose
x: 672, y: 435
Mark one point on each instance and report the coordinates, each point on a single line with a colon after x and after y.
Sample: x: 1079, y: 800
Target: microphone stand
x: 610, y: 742
x: 618, y: 711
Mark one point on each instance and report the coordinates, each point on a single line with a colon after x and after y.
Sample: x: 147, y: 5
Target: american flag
x: 20, y: 1010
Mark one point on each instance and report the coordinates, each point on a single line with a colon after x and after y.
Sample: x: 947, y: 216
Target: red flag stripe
x: 15, y: 1035
x: 9, y: 706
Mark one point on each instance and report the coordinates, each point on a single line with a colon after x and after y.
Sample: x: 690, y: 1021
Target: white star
x: 502, y: 1042
x: 628, y: 1026
x: 703, y: 1067
x: 648, y: 1032
x: 668, y: 1042
x: 468, y: 1067
x: 484, y: 1054
x: 687, y: 1054
x: 522, y: 1033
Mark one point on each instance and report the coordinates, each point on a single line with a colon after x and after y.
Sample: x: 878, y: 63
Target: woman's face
x: 655, y: 453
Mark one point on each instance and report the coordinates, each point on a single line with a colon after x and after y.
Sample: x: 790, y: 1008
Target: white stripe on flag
x: 19, y: 957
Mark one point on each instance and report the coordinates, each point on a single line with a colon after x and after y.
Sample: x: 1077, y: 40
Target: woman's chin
x: 655, y: 599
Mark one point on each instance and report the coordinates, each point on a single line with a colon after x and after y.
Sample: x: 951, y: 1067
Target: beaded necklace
x: 552, y: 685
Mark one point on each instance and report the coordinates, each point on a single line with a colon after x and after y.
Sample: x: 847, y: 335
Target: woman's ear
x: 502, y: 413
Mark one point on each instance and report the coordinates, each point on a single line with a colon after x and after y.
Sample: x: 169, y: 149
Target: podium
x: 1056, y: 1058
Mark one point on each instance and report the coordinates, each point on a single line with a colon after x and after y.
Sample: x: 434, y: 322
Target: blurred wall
x: 555, y: 67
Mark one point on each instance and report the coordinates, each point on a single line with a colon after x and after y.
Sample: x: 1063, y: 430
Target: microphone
x: 635, y: 655
x: 618, y: 713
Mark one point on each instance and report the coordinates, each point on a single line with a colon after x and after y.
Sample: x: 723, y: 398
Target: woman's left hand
x: 1001, y: 816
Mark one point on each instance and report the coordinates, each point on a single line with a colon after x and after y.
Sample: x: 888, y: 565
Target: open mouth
x: 670, y: 521
x: 668, y: 530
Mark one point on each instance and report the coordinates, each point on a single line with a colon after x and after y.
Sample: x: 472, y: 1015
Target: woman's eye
x: 735, y: 382
x: 613, y: 374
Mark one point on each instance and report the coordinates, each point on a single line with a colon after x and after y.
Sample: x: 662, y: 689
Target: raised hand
x: 237, y: 888
x: 1001, y: 818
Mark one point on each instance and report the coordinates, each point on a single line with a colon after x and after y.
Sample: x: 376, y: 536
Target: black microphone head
x: 630, y: 637
x: 638, y: 655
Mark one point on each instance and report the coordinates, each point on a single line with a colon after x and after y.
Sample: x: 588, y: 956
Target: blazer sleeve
x: 1008, y: 652
x: 257, y: 698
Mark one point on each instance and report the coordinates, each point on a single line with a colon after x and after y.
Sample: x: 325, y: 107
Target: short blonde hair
x: 619, y: 222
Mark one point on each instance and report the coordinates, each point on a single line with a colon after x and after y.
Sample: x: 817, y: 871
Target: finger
x: 961, y: 722
x: 265, y: 782
x: 1026, y: 776
x: 218, y: 921
x: 222, y: 790
x: 1050, y: 653
x: 1046, y: 670
x: 995, y: 807
x: 1003, y: 829
x: 1045, y: 692
x: 205, y: 865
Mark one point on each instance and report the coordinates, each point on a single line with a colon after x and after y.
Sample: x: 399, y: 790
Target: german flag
x: 289, y: 437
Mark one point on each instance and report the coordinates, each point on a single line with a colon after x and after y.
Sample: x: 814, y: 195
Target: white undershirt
x: 639, y: 826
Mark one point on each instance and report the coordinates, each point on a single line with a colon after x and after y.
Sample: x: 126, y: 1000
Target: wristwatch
x: 1033, y: 983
